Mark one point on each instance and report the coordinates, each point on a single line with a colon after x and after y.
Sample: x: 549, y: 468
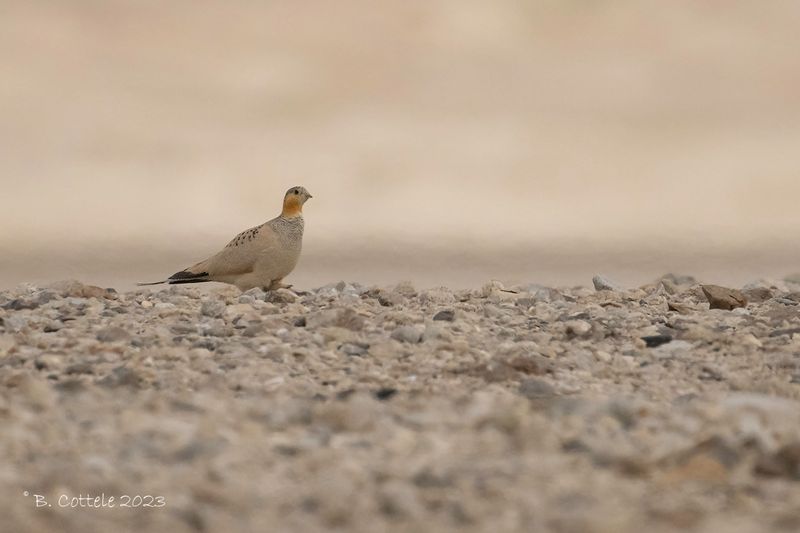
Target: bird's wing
x: 240, y: 255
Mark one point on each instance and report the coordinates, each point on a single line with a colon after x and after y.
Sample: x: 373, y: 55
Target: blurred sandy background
x: 445, y: 141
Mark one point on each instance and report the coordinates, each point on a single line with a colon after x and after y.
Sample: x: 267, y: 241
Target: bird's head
x: 294, y: 200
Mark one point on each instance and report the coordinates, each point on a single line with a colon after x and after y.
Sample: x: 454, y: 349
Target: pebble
x: 410, y: 334
x: 536, y: 389
x: 15, y: 323
x: 7, y: 342
x: 354, y: 349
x: 346, y: 318
x: 252, y: 295
x: 390, y: 299
x: 653, y: 341
x: 723, y: 297
x: 447, y: 315
x: 602, y: 283
x: 578, y: 328
x: 281, y: 296
x: 212, y: 307
x: 113, y: 334
x: 439, y: 296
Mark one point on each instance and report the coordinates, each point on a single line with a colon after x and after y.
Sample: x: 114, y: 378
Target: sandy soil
x: 396, y: 409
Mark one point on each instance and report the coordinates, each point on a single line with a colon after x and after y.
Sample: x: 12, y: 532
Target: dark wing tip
x: 185, y: 274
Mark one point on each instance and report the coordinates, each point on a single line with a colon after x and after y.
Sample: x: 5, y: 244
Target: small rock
x: 532, y: 364
x: 6, y: 344
x: 216, y: 328
x: 447, y: 315
x: 256, y: 293
x: 341, y: 318
x: 672, y: 350
x: 536, y: 389
x: 36, y: 391
x: 52, y: 326
x: 246, y: 299
x: 385, y: 393
x: 72, y: 288
x: 212, y: 308
x: 679, y: 279
x: 723, y: 297
x: 500, y: 296
x: 440, y: 296
x: 349, y: 289
x: 281, y: 296
x: 712, y: 373
x: 354, y: 349
x: 757, y: 295
x: 785, y: 462
x: 19, y: 304
x: 751, y: 340
x: 122, y: 376
x: 409, y: 334
x: 434, y: 332
x: 602, y: 283
x: 113, y: 334
x: 406, y: 289
x: 680, y: 308
x: 79, y: 368
x: 48, y: 362
x: 578, y: 328
x: 546, y: 294
x: 653, y: 341
x: 15, y: 323
x: 491, y: 287
x: 390, y: 299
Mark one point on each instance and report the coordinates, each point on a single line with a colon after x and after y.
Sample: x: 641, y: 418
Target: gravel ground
x: 393, y: 409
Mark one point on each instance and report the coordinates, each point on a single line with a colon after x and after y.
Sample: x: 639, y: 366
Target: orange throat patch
x: 292, y: 207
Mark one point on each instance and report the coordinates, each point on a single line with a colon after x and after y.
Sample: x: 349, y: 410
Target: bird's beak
x: 310, y: 196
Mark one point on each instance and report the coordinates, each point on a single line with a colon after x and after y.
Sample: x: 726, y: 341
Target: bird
x: 257, y: 257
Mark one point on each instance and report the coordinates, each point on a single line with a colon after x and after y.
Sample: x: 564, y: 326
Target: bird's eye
x: 296, y: 191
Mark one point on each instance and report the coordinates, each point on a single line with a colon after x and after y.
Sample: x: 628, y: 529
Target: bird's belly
x: 271, y: 266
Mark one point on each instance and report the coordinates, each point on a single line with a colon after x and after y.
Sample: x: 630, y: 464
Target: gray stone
x: 122, y: 376
x: 212, y: 308
x: 438, y: 296
x: 390, y: 298
x: 113, y: 334
x: 579, y: 328
x: 409, y: 334
x: 447, y: 315
x: 536, y: 389
x: 602, y: 283
x: 672, y: 350
x: 357, y: 349
x: 281, y: 296
x: 341, y: 318
x: 15, y: 323
x: 405, y: 288
x: 256, y: 293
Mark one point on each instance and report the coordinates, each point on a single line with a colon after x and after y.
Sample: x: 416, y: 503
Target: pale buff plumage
x: 258, y: 257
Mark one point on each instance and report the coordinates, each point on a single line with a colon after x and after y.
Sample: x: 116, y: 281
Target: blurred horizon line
x: 424, y: 265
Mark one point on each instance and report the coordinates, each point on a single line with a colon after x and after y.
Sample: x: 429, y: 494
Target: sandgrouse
x: 258, y: 257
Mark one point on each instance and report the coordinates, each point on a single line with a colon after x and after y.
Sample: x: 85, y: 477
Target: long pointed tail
x: 151, y: 283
